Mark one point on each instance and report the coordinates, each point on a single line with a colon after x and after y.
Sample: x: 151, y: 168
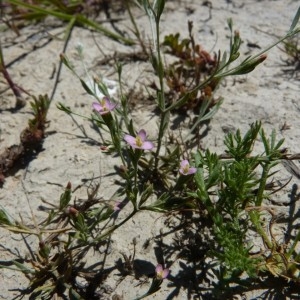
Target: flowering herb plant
x: 223, y: 193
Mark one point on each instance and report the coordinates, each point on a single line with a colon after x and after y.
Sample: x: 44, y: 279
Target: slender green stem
x: 262, y: 185
x: 108, y: 232
x: 160, y: 69
x: 68, y: 34
x: 160, y: 138
x: 185, y: 98
x: 254, y: 217
x: 137, y: 155
x: 292, y: 248
x: 136, y: 29
x: 161, y: 94
x: 120, y: 152
x: 255, y: 57
x: 60, y: 106
x: 1, y: 59
x: 135, y: 188
x: 111, y: 230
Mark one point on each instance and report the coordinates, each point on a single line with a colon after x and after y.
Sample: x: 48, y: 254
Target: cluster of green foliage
x: 231, y: 188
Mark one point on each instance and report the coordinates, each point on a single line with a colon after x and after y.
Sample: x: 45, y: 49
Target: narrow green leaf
x: 4, y: 219
x: 265, y: 142
x: 22, y: 267
x: 65, y: 198
x: 229, y: 22
x: 295, y: 20
x: 80, y: 19
x: 87, y: 88
x: 73, y: 295
x: 160, y: 5
x: 64, y: 108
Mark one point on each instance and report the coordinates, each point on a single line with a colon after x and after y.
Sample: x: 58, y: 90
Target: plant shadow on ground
x: 291, y: 65
x: 56, y: 264
x: 293, y: 215
x: 192, y: 242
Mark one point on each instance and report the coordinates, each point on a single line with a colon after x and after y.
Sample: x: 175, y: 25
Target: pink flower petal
x: 165, y: 273
x: 192, y: 170
x: 109, y: 105
x: 142, y: 134
x: 147, y: 145
x: 185, y: 168
x: 116, y: 206
x: 161, y: 273
x: 184, y: 163
x: 129, y: 139
x: 158, y: 269
x: 97, y: 106
x: 105, y: 107
x: 139, y: 142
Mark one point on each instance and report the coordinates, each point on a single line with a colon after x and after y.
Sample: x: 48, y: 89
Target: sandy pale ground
x: 71, y: 148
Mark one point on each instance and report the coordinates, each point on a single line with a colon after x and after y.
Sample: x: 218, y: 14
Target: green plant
x: 31, y: 139
x: 69, y: 11
x: 160, y: 174
x: 292, y: 49
x: 194, y: 65
x: 237, y: 179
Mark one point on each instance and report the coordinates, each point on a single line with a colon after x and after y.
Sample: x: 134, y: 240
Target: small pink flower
x: 185, y: 168
x: 161, y: 273
x: 139, y: 142
x: 117, y: 206
x: 104, y: 107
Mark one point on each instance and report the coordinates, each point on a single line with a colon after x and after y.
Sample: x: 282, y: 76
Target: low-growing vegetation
x: 224, y: 194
